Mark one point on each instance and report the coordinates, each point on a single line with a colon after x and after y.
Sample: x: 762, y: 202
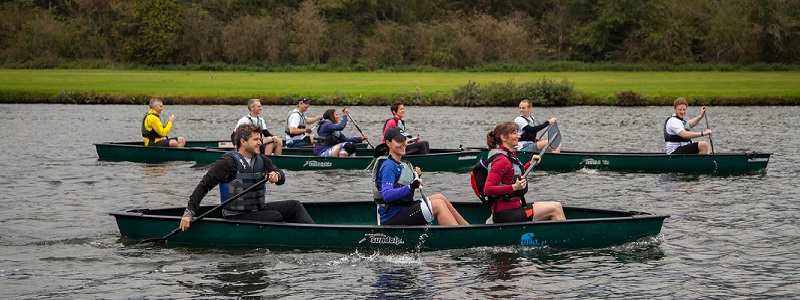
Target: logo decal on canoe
x: 318, y: 164
x: 380, y: 238
x: 467, y: 157
x: 528, y: 240
x: 594, y: 162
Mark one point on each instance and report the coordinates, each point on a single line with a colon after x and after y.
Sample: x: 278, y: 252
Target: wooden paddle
x: 178, y: 230
x: 359, y: 129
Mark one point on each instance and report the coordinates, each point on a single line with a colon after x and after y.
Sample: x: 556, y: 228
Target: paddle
x: 554, y: 139
x: 710, y: 141
x: 424, y: 197
x: 178, y: 230
x: 359, y: 129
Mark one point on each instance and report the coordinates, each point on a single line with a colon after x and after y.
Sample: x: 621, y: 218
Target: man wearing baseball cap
x: 297, y: 133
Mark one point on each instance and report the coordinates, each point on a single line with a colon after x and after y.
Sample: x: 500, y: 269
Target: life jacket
x: 480, y: 172
x: 400, y: 123
x: 246, y: 176
x: 302, y: 124
x: 151, y: 134
x: 258, y: 124
x: 330, y: 139
x: 526, y: 136
x: 675, y: 138
x: 406, y: 177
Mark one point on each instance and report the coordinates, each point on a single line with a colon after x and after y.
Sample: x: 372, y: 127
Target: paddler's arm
x: 222, y: 168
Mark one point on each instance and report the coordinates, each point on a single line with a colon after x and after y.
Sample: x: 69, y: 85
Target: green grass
x: 209, y: 84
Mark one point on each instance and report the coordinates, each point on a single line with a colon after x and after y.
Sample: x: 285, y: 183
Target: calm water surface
x: 728, y: 237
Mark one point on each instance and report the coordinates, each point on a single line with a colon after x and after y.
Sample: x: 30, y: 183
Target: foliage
x: 443, y: 34
x: 544, y: 92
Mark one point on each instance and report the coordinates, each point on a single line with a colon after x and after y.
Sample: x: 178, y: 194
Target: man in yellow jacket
x: 154, y: 133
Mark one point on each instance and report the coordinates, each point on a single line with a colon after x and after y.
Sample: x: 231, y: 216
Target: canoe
x: 352, y: 225
x: 445, y: 160
x: 719, y: 163
x: 137, y: 152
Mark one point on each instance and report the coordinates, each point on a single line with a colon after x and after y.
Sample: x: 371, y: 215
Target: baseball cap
x: 396, y: 134
x: 304, y: 100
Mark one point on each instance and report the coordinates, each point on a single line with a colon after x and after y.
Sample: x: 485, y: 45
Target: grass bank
x: 379, y: 88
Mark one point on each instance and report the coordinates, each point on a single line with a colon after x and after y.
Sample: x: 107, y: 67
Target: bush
x: 630, y: 98
x: 543, y: 93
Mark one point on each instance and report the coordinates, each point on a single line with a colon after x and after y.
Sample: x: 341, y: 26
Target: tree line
x: 376, y: 34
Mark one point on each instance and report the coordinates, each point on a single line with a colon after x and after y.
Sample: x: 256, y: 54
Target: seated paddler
x: 330, y: 141
x: 394, y: 186
x: 238, y: 170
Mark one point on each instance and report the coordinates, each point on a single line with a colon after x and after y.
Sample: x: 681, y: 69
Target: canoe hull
x: 351, y: 225
x: 439, y: 160
x: 137, y: 152
x: 721, y: 164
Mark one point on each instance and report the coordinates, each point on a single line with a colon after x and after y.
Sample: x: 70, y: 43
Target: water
x: 728, y: 237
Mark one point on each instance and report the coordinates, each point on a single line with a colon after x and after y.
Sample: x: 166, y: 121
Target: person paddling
x: 528, y: 129
x: 271, y: 144
x: 394, y: 184
x: 505, y: 186
x: 677, y: 134
x: 415, y: 144
x: 238, y: 170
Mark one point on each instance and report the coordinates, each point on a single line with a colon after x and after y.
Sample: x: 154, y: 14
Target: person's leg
x: 549, y: 210
x: 278, y: 150
x: 261, y: 216
x: 267, y: 146
x: 291, y: 210
x: 444, y: 211
x: 703, y: 148
x: 418, y: 148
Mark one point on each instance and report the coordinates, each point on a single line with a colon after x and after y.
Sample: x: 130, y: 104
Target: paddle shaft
x: 710, y: 141
x: 541, y: 153
x: 424, y: 197
x: 237, y: 196
x: 359, y: 129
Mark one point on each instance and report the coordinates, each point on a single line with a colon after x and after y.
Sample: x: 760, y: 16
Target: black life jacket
x: 675, y: 138
x: 480, y: 172
x: 406, y: 177
x: 151, y: 134
x: 301, y: 126
x: 246, y: 176
x: 526, y: 136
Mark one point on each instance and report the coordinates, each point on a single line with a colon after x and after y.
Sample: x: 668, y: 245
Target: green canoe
x: 447, y: 160
x: 720, y: 163
x: 137, y: 152
x: 352, y: 225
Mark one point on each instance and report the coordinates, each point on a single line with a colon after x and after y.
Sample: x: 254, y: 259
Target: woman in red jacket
x: 504, y: 184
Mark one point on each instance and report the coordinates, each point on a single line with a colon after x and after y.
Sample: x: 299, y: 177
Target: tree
x: 309, y: 34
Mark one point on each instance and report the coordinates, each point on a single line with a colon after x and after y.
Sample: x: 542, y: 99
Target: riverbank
x: 381, y: 88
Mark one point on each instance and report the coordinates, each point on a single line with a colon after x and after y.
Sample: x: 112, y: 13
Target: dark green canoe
x: 137, y: 152
x: 352, y: 225
x: 720, y: 163
x: 447, y: 160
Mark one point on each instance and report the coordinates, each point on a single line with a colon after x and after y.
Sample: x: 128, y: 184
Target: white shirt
x: 294, y: 121
x: 674, y: 127
x: 522, y: 122
x: 248, y: 119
